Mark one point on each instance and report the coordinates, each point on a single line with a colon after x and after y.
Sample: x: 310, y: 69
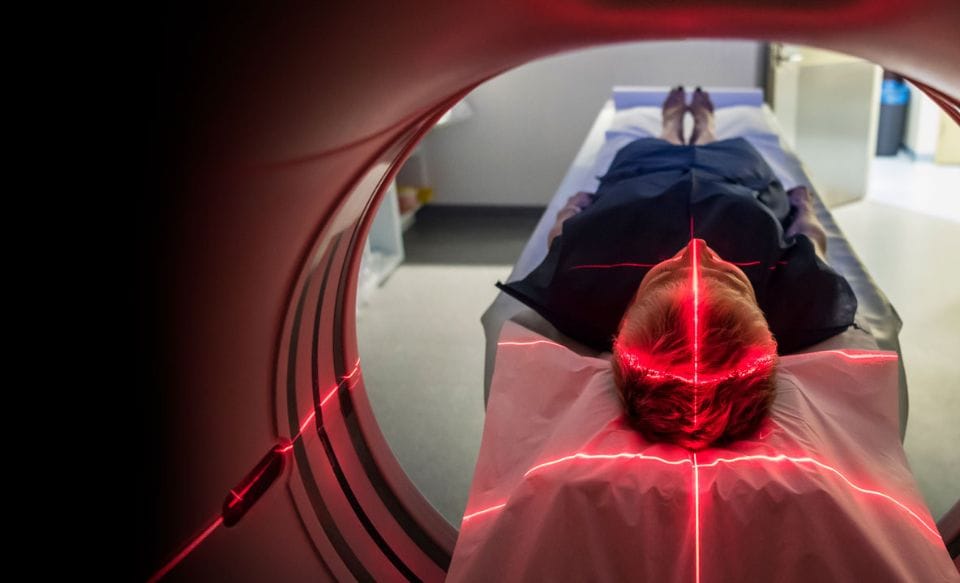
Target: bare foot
x: 674, y: 108
x: 704, y: 127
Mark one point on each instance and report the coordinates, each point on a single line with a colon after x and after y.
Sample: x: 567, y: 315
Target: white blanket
x: 565, y: 490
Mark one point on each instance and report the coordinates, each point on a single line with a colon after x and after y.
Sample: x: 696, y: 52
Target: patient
x: 694, y: 358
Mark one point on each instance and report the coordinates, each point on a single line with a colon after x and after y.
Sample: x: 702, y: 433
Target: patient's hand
x: 806, y: 222
x: 575, y: 204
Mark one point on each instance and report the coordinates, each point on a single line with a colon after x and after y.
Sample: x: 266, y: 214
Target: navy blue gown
x: 653, y: 197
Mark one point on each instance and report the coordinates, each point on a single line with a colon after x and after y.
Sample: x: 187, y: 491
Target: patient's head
x: 694, y: 359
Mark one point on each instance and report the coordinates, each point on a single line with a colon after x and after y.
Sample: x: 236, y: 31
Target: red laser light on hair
x: 645, y: 363
x: 695, y: 283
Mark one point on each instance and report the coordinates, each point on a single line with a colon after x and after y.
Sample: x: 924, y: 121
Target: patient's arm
x: 575, y: 204
x: 806, y: 221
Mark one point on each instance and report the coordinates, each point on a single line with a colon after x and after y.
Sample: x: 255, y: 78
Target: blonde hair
x: 736, y: 359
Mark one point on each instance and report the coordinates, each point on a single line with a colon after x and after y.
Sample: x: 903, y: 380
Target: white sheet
x: 843, y: 507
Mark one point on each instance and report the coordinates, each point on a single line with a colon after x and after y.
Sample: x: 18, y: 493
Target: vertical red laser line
x: 186, y: 550
x: 695, y: 277
x: 696, y: 518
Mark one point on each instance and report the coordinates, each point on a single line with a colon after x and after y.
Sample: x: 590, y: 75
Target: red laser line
x: 612, y: 265
x: 531, y: 343
x: 869, y: 356
x: 721, y: 460
x: 330, y: 394
x: 631, y: 264
x: 696, y: 514
x: 237, y: 498
x: 808, y: 460
x: 467, y: 517
x: 186, y: 550
x: 744, y: 368
x: 695, y: 277
x: 303, y: 426
x: 606, y: 456
x: 313, y: 414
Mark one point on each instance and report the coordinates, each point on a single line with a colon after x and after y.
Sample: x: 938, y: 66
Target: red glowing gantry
x: 241, y: 498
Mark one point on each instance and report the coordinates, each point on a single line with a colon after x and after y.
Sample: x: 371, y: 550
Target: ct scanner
x: 284, y: 125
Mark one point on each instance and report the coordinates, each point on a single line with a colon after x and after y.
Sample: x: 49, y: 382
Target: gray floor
x: 912, y: 257
x: 422, y: 344
x: 463, y: 235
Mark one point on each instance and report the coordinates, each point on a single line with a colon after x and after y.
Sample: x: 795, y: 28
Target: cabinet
x: 383, y: 249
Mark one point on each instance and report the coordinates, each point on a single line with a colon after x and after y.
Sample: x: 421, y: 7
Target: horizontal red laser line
x: 186, y: 550
x: 775, y: 459
x: 606, y: 456
x: 582, y: 456
x: 631, y: 264
x: 467, y: 517
x: 636, y: 362
x: 874, y: 356
x: 838, y: 473
x: 612, y: 265
x: 531, y: 343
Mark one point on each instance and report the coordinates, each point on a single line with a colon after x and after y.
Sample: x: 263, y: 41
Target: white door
x: 828, y: 105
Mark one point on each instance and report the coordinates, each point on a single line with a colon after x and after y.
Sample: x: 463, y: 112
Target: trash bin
x: 894, y: 97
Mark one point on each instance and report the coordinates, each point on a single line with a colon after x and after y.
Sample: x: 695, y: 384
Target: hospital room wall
x: 528, y: 124
x: 922, y: 125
